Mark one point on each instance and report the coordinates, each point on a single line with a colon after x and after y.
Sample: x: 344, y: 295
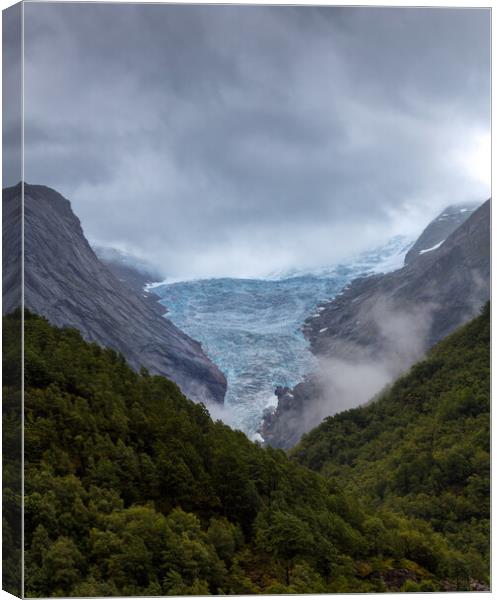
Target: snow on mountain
x: 432, y: 248
x: 440, y: 228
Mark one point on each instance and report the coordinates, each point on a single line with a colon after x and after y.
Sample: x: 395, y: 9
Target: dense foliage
x: 131, y: 489
x: 422, y: 449
x: 12, y: 459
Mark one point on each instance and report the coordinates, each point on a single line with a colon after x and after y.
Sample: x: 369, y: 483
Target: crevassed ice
x: 251, y: 328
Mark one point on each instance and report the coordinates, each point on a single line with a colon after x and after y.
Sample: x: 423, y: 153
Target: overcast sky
x: 232, y: 140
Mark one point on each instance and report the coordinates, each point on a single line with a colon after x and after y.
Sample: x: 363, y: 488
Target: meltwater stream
x: 251, y: 328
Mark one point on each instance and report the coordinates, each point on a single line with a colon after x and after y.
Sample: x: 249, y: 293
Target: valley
x: 252, y: 328
x: 145, y: 491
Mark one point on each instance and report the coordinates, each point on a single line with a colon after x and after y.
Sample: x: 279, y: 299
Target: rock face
x: 132, y: 273
x: 452, y: 282
x: 380, y: 325
x: 66, y: 283
x: 11, y: 251
x: 284, y: 427
x: 440, y: 229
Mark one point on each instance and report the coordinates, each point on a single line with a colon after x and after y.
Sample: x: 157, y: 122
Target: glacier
x: 252, y: 328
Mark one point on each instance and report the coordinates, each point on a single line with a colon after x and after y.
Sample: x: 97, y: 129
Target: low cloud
x: 356, y: 373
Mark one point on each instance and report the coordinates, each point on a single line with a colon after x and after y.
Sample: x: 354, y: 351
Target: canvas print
x: 246, y: 299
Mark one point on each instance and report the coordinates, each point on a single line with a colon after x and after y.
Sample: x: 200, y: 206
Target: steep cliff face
x: 66, y: 282
x: 380, y: 325
x: 11, y: 250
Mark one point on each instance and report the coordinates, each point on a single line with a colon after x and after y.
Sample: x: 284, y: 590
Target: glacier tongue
x: 251, y: 328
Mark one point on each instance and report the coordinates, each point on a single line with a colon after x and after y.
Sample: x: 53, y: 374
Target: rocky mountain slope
x: 66, y: 282
x: 440, y: 228
x: 445, y: 286
x: 11, y: 252
x: 132, y: 273
x: 380, y: 325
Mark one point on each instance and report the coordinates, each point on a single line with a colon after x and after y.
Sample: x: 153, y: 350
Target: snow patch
x: 432, y: 248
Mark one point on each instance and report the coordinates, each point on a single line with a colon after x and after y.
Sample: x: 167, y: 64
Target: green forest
x: 132, y: 489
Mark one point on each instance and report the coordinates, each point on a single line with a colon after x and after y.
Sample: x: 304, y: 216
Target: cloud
x: 228, y: 140
x: 11, y: 95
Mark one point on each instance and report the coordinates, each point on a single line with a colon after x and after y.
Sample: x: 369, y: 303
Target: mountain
x: 380, y: 325
x: 440, y: 228
x: 133, y: 490
x: 445, y: 286
x: 66, y: 282
x: 423, y: 448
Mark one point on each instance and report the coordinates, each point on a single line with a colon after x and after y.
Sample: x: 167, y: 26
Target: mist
x: 355, y: 374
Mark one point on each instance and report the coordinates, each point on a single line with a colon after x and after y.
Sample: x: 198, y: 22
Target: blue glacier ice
x: 251, y: 328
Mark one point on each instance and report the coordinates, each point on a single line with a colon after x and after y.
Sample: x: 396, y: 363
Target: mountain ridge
x: 464, y: 291
x: 384, y: 323
x: 66, y: 282
x: 440, y: 228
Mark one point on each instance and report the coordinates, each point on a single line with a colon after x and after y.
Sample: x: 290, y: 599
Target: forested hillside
x: 422, y: 449
x: 131, y: 489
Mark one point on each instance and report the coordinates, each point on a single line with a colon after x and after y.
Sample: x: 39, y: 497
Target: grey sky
x: 233, y: 140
